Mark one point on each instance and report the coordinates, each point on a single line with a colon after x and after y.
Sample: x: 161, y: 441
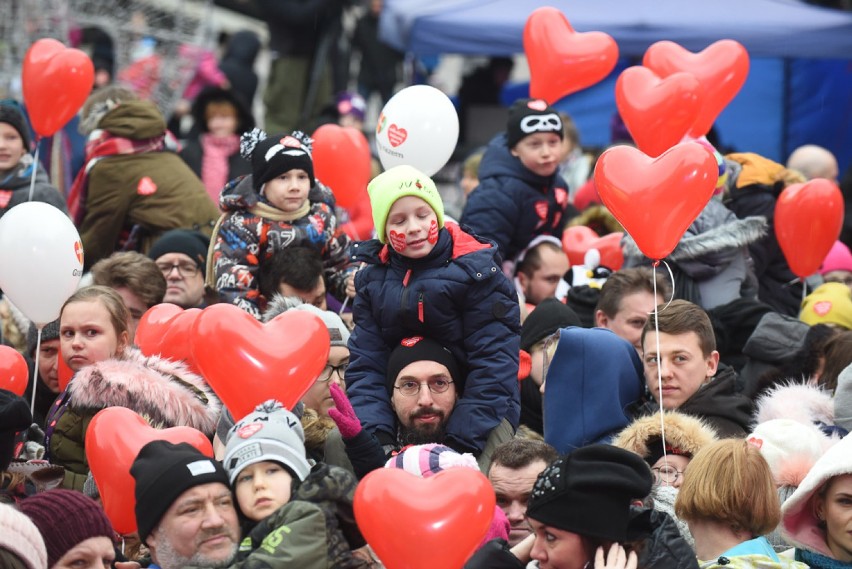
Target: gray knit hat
x: 337, y: 330
x: 270, y: 433
x: 49, y: 332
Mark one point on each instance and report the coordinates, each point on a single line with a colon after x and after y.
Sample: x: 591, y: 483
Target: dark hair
x: 682, y: 317
x: 629, y: 281
x: 299, y: 267
x: 838, y: 356
x: 134, y: 271
x: 532, y: 257
x: 519, y: 453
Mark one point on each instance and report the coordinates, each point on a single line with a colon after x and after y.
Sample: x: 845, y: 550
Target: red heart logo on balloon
x: 246, y: 362
x: 342, y: 161
x: 658, y: 112
x: 56, y: 82
x: 14, y: 373
x: 397, y: 135
x: 721, y: 68
x: 166, y: 330
x: 561, y: 60
x: 437, y: 521
x: 578, y: 239
x: 656, y: 199
x: 113, y: 440
x: 808, y: 220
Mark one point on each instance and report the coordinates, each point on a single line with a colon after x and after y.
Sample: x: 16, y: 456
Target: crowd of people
x: 623, y: 417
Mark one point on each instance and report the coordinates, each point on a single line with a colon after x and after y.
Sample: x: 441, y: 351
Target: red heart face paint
x: 397, y: 241
x: 432, y: 237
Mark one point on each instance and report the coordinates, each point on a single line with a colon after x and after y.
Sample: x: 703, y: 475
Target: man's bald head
x: 814, y: 161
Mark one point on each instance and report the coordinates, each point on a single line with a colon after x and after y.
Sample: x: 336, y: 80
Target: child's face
x: 87, y: 335
x: 468, y: 183
x: 262, y: 488
x: 539, y: 152
x: 412, y: 227
x: 289, y: 191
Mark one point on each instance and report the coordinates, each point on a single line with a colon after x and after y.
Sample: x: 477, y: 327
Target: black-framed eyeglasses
x: 666, y: 474
x: 184, y: 269
x: 330, y: 369
x: 410, y: 388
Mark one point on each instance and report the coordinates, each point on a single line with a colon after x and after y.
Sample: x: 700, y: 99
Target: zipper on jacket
x: 420, y: 307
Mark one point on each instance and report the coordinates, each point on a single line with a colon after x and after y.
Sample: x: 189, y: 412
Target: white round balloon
x: 41, y: 260
x: 418, y: 127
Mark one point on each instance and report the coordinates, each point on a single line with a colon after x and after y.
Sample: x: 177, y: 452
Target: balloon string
x: 804, y: 290
x: 34, y: 378
x: 659, y: 359
x: 343, y: 306
x: 35, y: 171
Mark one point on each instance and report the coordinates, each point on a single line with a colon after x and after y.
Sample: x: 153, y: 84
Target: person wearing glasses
x: 181, y: 256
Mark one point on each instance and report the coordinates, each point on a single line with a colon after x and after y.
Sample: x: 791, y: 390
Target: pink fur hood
x: 802, y: 403
x: 164, y: 392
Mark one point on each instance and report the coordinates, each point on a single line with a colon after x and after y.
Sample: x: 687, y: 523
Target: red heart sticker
x: 541, y: 210
x: 396, y: 135
x: 78, y: 251
x: 755, y: 442
x: 537, y: 105
x: 146, y: 187
x: 822, y: 307
x: 5, y: 196
x: 397, y: 241
x: 411, y: 342
x: 290, y: 142
x: 432, y: 237
x: 249, y: 430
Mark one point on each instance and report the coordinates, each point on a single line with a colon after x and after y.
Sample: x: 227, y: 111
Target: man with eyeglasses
x: 181, y: 255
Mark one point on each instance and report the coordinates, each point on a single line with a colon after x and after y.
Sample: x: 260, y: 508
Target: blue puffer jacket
x: 512, y: 205
x: 456, y: 295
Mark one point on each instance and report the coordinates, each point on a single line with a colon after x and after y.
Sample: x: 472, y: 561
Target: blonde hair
x: 118, y: 315
x: 729, y: 482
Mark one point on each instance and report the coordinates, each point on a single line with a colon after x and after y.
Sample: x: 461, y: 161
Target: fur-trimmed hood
x: 164, y: 392
x: 802, y: 403
x: 687, y: 433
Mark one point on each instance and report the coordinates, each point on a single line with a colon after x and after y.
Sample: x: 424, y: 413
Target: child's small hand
x: 617, y: 558
x: 342, y: 413
x: 350, y: 286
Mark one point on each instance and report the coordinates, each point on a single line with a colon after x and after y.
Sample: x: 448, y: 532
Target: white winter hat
x: 790, y: 448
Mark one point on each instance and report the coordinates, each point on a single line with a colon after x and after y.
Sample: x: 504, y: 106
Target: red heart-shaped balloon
x: 721, y: 68
x: 657, y: 112
x: 342, y: 161
x: 246, y: 362
x: 808, y: 220
x: 578, y: 239
x: 56, y: 82
x: 14, y: 373
x: 656, y: 199
x: 113, y: 440
x: 561, y: 60
x: 166, y: 330
x: 423, y: 523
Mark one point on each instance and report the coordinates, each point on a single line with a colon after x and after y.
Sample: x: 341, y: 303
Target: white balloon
x: 41, y: 260
x: 419, y: 127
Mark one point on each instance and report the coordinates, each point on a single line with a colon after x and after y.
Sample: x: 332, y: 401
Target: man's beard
x: 423, y: 434
x: 168, y: 558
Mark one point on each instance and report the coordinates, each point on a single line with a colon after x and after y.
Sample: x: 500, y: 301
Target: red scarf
x: 104, y: 144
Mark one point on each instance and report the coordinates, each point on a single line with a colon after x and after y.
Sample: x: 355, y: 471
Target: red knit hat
x: 65, y: 518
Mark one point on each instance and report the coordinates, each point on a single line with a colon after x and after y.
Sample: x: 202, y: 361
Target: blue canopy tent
x: 799, y: 88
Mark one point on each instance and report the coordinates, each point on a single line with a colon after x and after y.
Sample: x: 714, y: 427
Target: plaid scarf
x: 100, y: 145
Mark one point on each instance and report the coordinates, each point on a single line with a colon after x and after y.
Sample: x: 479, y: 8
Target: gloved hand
x: 343, y: 414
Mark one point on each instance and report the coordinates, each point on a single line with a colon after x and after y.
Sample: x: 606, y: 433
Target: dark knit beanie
x: 583, y: 300
x: 14, y: 417
x: 273, y: 155
x: 416, y: 349
x: 549, y: 316
x: 10, y: 115
x: 193, y: 244
x: 589, y: 492
x: 530, y: 116
x: 65, y: 518
x: 49, y: 332
x: 163, y: 471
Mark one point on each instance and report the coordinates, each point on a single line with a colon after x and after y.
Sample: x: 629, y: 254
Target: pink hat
x: 839, y: 258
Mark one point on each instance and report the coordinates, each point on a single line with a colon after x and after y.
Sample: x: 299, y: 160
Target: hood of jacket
x: 803, y: 403
x: 720, y: 405
x: 134, y: 119
x: 776, y: 338
x: 594, y: 376
x: 498, y: 161
x: 164, y: 392
x: 684, y: 432
x: 799, y: 523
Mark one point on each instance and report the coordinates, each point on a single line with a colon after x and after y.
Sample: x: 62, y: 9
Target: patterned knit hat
x: 830, y: 303
x: 430, y: 459
x: 272, y: 156
x: 19, y: 535
x: 398, y: 182
x: 65, y: 518
x: 530, y: 116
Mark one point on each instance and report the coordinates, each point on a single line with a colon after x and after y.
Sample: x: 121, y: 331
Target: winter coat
x: 689, y: 434
x: 775, y: 341
x: 664, y: 547
x: 120, y: 194
x: 511, y: 204
x: 711, y: 261
x: 251, y: 231
x: 237, y: 64
x: 718, y: 403
x: 456, y: 295
x: 15, y: 187
x: 495, y: 554
x: 593, y: 378
x: 760, y: 556
x: 165, y: 393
